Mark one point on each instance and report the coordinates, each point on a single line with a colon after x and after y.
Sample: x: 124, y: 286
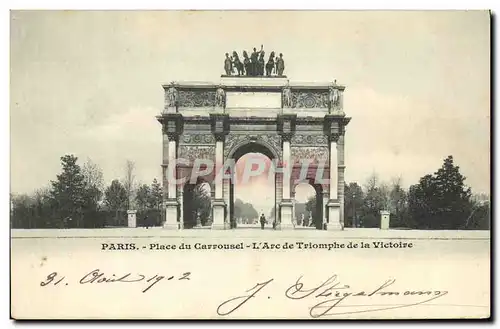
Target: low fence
x: 93, y: 219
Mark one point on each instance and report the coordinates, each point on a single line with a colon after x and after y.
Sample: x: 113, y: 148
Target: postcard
x: 321, y: 165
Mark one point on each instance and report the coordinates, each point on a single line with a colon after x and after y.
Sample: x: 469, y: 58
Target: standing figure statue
x: 246, y: 63
x: 334, y: 97
x: 287, y: 96
x: 228, y: 65
x: 280, y: 65
x: 270, y: 64
x: 262, y: 64
x: 254, y: 61
x: 237, y: 63
x: 171, y: 97
x: 220, y: 97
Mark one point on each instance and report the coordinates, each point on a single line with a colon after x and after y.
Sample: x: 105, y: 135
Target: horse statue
x: 261, y: 63
x: 237, y: 63
x: 246, y: 62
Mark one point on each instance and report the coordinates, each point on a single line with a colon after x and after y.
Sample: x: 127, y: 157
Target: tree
x: 441, y: 200
x: 398, y: 205
x: 480, y: 217
x: 201, y: 204
x: 94, y: 182
x: 143, y: 197
x: 373, y: 202
x: 238, y: 208
x: 22, y: 206
x: 452, y: 199
x: 353, y: 204
x: 156, y: 195
x: 244, y: 210
x: 116, y: 197
x: 249, y: 212
x: 128, y: 182
x: 311, y: 206
x: 69, y: 192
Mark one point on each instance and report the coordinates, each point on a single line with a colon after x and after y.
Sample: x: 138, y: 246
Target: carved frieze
x: 273, y: 141
x: 304, y: 139
x: 318, y: 154
x: 310, y: 99
x: 207, y: 138
x: 191, y: 153
x: 196, y: 98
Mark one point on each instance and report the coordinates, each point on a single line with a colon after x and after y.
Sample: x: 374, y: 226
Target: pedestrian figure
x: 262, y: 221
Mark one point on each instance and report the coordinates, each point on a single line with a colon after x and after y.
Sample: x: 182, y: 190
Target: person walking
x: 262, y: 221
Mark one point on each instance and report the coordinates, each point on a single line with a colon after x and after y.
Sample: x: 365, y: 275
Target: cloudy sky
x: 89, y: 83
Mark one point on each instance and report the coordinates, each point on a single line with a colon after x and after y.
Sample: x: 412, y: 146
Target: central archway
x: 263, y: 155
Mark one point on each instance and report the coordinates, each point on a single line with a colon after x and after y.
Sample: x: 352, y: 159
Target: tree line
x: 438, y: 201
x: 78, y: 198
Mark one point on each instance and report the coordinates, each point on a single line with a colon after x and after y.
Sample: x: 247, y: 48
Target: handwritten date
x: 97, y: 276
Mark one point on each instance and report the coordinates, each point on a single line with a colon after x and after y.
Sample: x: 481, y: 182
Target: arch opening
x: 197, y: 205
x: 309, y: 205
x: 252, y: 192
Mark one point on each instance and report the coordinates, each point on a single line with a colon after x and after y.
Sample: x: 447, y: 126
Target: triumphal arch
x: 291, y: 123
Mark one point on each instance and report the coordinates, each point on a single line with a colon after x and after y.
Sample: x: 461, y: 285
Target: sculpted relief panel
x: 191, y: 153
x: 192, y: 98
x: 309, y: 99
x: 318, y: 154
x: 303, y: 139
x: 206, y: 138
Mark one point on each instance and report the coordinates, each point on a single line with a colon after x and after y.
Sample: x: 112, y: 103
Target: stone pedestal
x: 286, y: 209
x: 384, y: 219
x: 219, y: 210
x: 334, y: 223
x: 171, y: 214
x: 132, y: 218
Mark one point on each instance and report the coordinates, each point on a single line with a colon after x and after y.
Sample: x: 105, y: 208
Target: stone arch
x: 270, y: 143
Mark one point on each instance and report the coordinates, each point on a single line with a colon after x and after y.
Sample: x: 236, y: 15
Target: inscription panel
x: 253, y: 100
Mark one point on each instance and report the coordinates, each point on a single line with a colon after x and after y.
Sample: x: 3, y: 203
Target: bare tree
x: 372, y: 182
x: 93, y: 175
x: 41, y: 194
x: 94, y: 181
x: 128, y: 182
x: 385, y: 196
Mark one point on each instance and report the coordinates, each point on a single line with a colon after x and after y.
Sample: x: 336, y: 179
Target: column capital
x: 286, y: 126
x: 334, y: 126
x: 219, y: 125
x: 172, y: 125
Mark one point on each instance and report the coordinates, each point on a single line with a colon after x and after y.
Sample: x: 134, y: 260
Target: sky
x: 89, y: 83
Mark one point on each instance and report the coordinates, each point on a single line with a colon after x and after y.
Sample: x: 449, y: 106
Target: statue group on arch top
x: 255, y: 64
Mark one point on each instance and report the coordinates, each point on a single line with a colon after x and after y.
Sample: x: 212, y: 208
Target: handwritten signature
x: 97, y: 276
x: 331, y: 297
